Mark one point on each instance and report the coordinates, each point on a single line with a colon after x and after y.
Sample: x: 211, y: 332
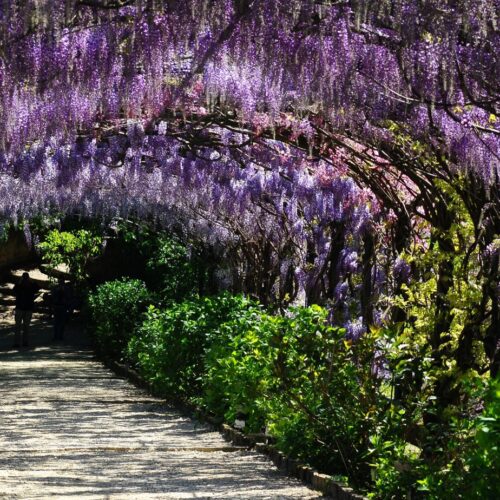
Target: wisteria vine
x: 307, y: 125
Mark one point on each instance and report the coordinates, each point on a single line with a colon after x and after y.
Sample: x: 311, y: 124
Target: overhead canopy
x: 394, y: 94
x: 319, y: 140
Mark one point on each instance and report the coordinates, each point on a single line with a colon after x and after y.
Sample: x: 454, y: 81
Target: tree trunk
x: 367, y: 288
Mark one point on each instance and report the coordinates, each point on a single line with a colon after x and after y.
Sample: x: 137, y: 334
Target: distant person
x: 25, y: 292
x: 62, y: 304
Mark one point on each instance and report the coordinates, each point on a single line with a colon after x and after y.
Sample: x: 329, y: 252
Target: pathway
x: 70, y: 428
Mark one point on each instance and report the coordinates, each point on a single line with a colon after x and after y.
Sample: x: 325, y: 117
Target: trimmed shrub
x: 299, y: 377
x: 169, y: 347
x: 116, y: 309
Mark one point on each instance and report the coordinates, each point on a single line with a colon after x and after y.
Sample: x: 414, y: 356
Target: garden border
x: 324, y: 483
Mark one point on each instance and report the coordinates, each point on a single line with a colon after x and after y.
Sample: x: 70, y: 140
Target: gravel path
x: 71, y: 428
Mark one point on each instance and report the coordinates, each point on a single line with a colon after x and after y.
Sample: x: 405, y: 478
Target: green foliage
x: 116, y: 309
x: 169, y: 266
x: 296, y: 375
x: 425, y: 440
x: 75, y: 249
x: 169, y: 347
x: 319, y: 372
x: 239, y: 368
x: 170, y: 270
x: 415, y: 454
x: 4, y: 231
x: 483, y: 459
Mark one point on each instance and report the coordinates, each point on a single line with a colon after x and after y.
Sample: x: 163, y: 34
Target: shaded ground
x: 71, y: 428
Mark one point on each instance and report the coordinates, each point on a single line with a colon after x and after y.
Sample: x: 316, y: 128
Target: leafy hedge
x: 116, y: 309
x: 296, y: 376
x: 293, y: 375
x: 326, y: 399
x: 169, y: 347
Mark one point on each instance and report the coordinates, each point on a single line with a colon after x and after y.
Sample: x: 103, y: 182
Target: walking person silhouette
x: 25, y: 292
x: 62, y: 302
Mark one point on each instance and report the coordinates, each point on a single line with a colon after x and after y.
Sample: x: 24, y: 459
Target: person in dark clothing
x: 25, y: 292
x: 61, y: 306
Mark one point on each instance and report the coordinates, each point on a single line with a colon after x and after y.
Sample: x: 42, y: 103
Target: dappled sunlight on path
x: 70, y: 427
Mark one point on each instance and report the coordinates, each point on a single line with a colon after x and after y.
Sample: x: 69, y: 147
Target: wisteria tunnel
x: 314, y: 189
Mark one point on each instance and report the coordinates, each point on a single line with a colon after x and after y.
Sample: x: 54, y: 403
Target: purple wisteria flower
x: 402, y: 270
x: 349, y: 261
x: 355, y: 328
x: 341, y: 291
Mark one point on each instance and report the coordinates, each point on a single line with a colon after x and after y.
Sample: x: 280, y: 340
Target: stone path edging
x: 70, y: 427
x: 311, y: 477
